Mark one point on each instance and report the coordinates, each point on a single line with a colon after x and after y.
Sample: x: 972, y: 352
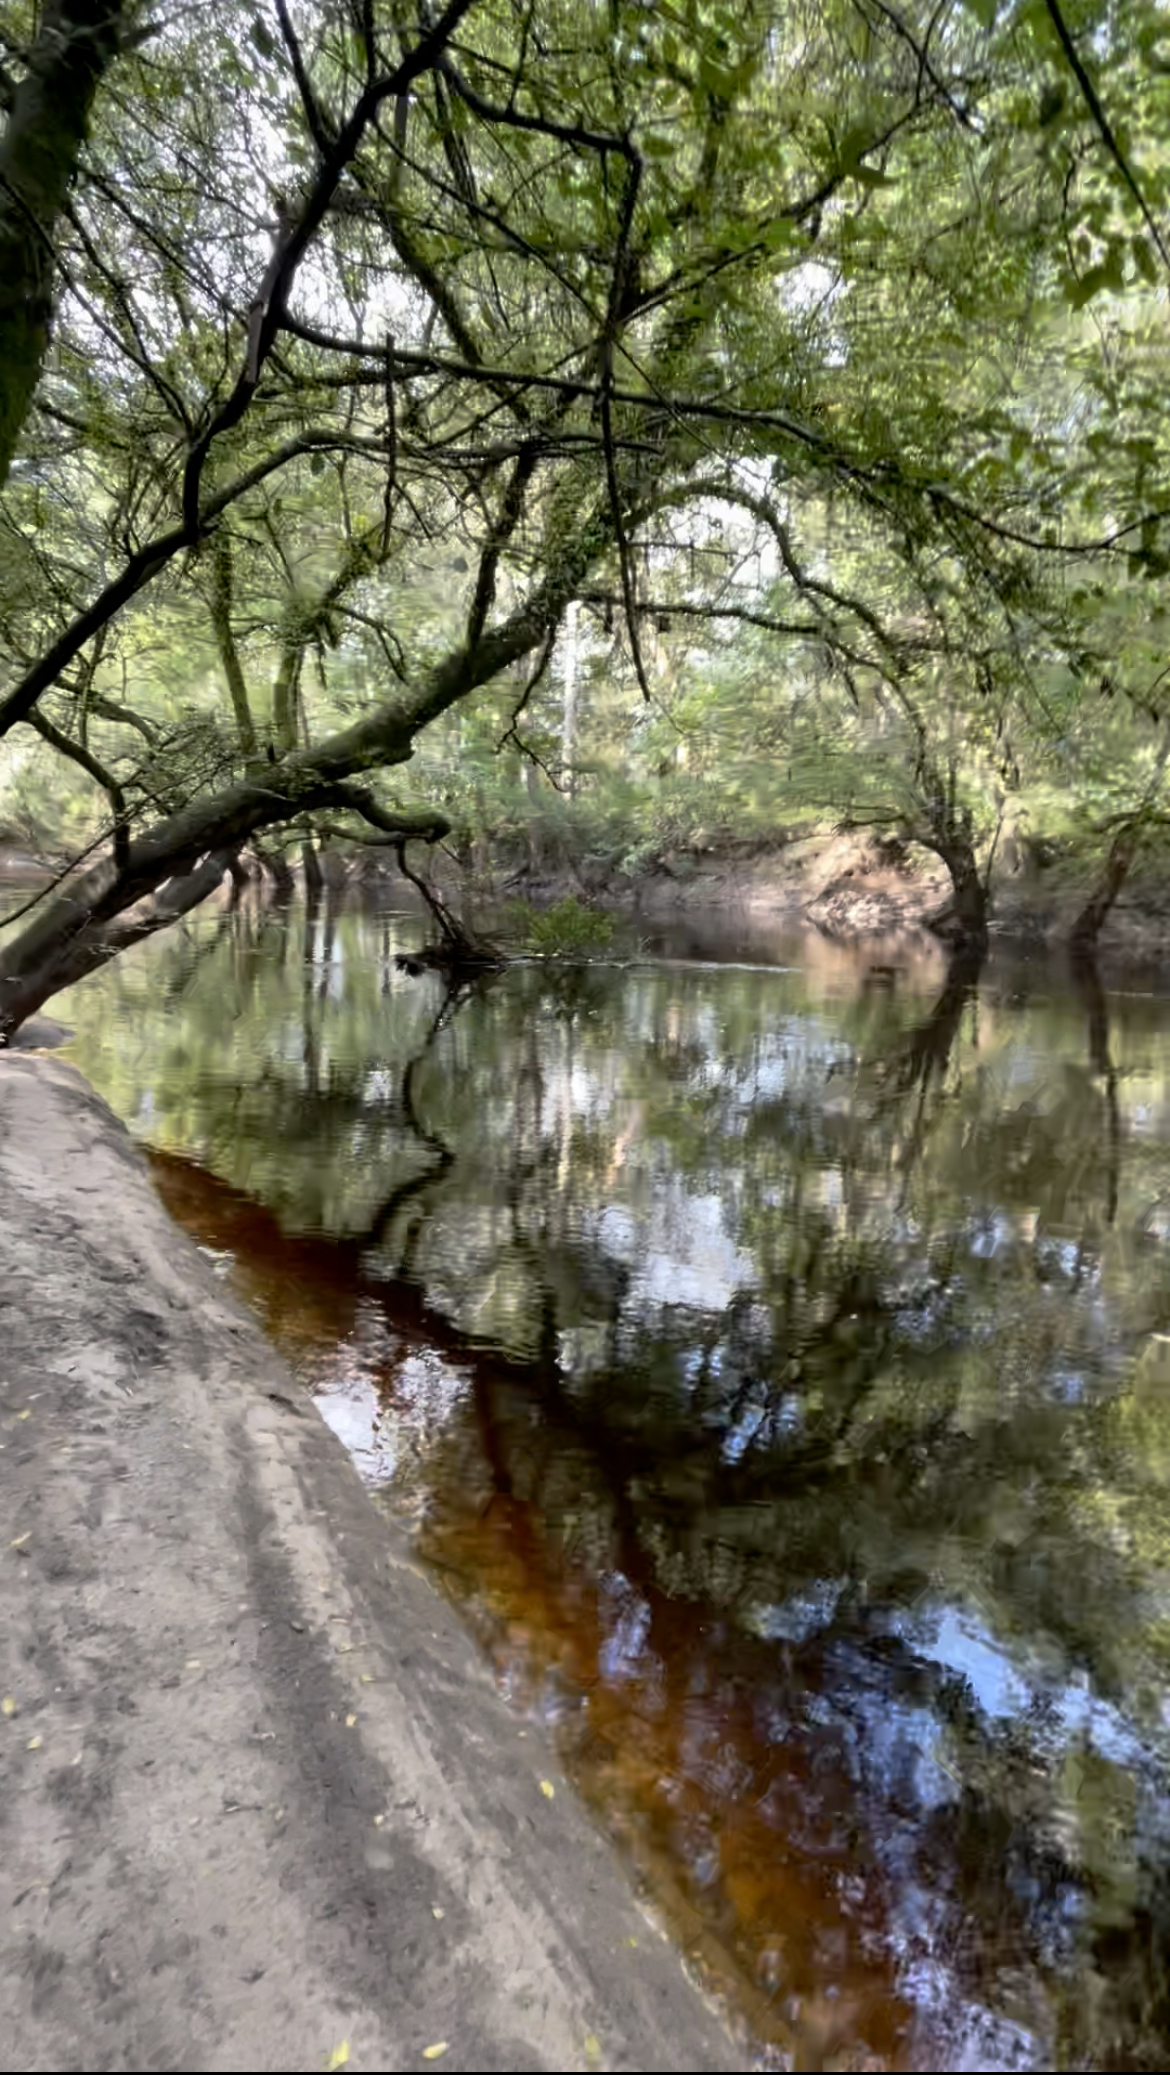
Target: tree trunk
x: 1114, y: 873
x: 164, y: 873
x: 962, y: 922
x: 278, y: 869
x: 1123, y: 850
x: 311, y: 866
x: 66, y: 959
x: 569, y: 710
x: 241, y: 879
x: 229, y: 655
x: 76, y: 42
x: 284, y: 699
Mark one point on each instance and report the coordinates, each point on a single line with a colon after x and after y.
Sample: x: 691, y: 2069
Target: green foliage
x: 874, y: 514
x: 570, y: 928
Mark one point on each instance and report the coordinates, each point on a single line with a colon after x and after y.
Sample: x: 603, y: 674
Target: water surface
x: 773, y: 1359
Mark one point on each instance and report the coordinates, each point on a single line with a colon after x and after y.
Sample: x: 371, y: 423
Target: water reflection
x: 776, y: 1365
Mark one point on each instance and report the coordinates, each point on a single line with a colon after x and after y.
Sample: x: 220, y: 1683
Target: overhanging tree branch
x: 139, y: 570
x: 319, y: 128
x: 1092, y: 102
x: 293, y: 240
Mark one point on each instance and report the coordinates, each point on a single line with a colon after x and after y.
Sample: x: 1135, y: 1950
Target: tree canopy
x: 808, y: 353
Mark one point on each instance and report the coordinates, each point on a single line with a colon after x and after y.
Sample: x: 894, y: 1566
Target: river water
x: 769, y: 1350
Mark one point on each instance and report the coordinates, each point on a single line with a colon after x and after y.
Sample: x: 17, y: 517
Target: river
x: 769, y: 1351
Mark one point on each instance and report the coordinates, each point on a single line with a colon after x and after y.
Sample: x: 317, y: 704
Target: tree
x: 507, y: 293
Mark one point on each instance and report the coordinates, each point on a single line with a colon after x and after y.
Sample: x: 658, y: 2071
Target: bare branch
x: 533, y: 680
x: 141, y: 568
x: 319, y: 128
x: 500, y: 533
x: 391, y: 448
x: 617, y: 294
x: 399, y: 825
x: 77, y: 753
x: 576, y: 134
x: 292, y: 242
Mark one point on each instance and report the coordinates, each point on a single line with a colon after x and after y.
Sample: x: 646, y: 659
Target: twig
x: 617, y: 289
x: 545, y: 658
x: 1092, y: 102
x: 391, y: 447
x: 318, y: 127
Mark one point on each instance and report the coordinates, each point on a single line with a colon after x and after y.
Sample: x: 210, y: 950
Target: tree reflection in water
x: 774, y: 1366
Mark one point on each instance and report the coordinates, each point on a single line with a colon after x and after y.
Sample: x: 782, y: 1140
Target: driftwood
x: 456, y: 962
x: 458, y: 955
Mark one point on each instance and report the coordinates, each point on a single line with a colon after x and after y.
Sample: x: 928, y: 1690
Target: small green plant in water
x: 568, y: 929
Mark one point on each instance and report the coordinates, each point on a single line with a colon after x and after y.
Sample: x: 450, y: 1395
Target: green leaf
x: 1113, y: 266
x: 853, y: 146
x: 720, y: 80
x: 1144, y: 260
x: 1078, y: 293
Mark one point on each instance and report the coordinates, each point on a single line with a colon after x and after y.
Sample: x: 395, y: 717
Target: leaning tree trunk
x: 962, y: 921
x: 163, y: 875
x: 64, y: 960
x: 1127, y: 841
x: 46, y: 128
x: 1114, y: 873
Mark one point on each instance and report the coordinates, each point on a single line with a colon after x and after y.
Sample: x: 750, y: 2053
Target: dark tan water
x: 775, y: 1365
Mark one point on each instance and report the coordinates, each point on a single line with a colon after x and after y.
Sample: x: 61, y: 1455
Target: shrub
x: 568, y: 929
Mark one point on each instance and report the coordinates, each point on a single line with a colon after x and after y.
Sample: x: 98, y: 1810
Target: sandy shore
x: 260, y: 1799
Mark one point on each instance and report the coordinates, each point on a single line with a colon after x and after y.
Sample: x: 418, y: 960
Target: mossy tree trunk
x: 39, y: 152
x: 163, y: 874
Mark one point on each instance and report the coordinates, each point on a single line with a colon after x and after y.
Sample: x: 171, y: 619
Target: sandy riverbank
x: 259, y: 1795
